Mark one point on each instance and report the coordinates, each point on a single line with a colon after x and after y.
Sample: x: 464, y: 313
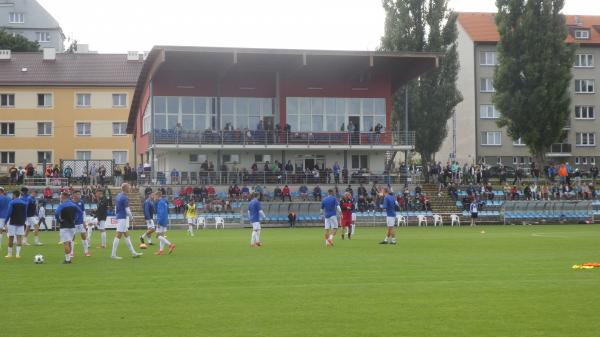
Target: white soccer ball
x: 38, y: 259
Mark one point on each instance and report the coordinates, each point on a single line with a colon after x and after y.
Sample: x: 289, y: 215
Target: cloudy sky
x: 122, y: 25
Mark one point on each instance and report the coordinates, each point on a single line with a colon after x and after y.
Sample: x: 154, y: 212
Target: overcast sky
x: 123, y: 25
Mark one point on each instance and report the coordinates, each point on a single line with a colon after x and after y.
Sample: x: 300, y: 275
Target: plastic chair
x: 219, y: 221
x: 201, y: 222
x: 422, y: 219
x: 401, y: 220
x: 455, y: 219
x: 437, y: 219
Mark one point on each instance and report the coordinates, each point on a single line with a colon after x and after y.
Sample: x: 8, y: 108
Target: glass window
x: 379, y: 106
x: 584, y: 112
x: 119, y: 129
x: 487, y: 58
x: 119, y: 157
x: 7, y: 100
x: 582, y: 34
x: 585, y: 86
x: 291, y: 105
x: 44, y: 128
x: 262, y: 158
x: 16, y: 17
x: 84, y: 100
x: 44, y: 157
x: 187, y: 105
x: 173, y: 105
x: 42, y: 36
x: 488, y: 111
x: 119, y: 100
x: 354, y: 106
x: 84, y: 129
x: 44, y: 100
x: 584, y: 61
x: 83, y: 155
x: 491, y: 138
x: 7, y: 157
x: 7, y: 129
x: 585, y: 139
x: 360, y: 162
x: 160, y: 105
x: 487, y: 85
x: 367, y: 106
x: 231, y: 158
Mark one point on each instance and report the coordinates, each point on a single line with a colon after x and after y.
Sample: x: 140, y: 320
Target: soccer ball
x: 143, y: 246
x: 38, y: 259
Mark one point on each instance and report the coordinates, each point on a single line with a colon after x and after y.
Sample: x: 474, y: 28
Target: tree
x: 533, y: 78
x: 425, y: 26
x: 16, y: 43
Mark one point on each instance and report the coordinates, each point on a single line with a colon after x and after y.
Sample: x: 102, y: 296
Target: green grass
x: 509, y: 281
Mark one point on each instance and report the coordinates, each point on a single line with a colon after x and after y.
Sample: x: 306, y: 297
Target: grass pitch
x: 509, y: 281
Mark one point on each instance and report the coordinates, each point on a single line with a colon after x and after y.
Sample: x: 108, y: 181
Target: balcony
x: 281, y: 140
x: 560, y: 150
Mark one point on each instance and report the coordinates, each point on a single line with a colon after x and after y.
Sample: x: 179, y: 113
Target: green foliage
x: 533, y: 78
x: 17, y: 43
x: 425, y: 26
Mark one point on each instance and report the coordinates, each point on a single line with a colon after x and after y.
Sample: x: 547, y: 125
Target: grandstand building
x: 236, y: 107
x: 472, y: 132
x: 56, y: 106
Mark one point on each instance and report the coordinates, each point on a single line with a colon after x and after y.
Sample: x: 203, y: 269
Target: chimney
x: 133, y: 56
x: 5, y: 55
x: 82, y: 49
x: 49, y: 54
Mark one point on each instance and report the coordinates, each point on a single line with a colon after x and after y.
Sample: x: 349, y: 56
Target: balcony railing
x: 560, y: 148
x: 260, y: 137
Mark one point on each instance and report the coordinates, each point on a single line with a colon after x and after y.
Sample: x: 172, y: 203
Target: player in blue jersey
x: 32, y: 216
x: 124, y: 216
x: 389, y: 204
x: 329, y: 210
x: 255, y: 213
x: 162, y: 220
x: 149, y: 210
x: 66, y: 217
x: 4, y: 201
x: 16, y: 217
x: 79, y: 224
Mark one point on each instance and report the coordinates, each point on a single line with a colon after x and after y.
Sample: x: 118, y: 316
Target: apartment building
x: 473, y: 133
x: 56, y: 106
x: 29, y: 19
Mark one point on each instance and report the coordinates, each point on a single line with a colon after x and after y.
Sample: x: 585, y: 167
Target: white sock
x: 253, y: 238
x: 130, y: 246
x: 1, y: 235
x: 115, y: 246
x: 149, y: 237
x: 164, y: 240
x: 18, y: 250
x: 191, y: 229
x: 258, y: 235
x: 36, y: 239
x: 89, y: 234
x: 85, y: 246
x: 9, y: 251
x: 353, y: 227
x: 331, y: 237
x: 67, y: 257
x: 386, y: 239
x: 326, y: 242
x: 103, y: 236
x: 161, y: 245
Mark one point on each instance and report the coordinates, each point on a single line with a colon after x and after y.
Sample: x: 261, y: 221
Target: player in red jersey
x: 347, y: 206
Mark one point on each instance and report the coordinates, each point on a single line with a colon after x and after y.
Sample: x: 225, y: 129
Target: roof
x: 401, y: 66
x: 69, y: 70
x: 481, y: 27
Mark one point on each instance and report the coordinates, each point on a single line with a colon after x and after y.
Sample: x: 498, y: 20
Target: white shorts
x: 16, y: 230
x: 390, y: 221
x: 353, y: 217
x: 255, y: 226
x: 101, y: 224
x: 161, y: 229
x: 150, y: 224
x: 2, y: 223
x: 67, y: 234
x: 331, y: 222
x: 122, y: 225
x: 80, y: 229
x: 191, y: 221
x: 32, y: 221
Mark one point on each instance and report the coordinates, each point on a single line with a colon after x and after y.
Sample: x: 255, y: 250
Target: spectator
x: 317, y: 193
x: 285, y: 193
x: 277, y: 193
x: 174, y: 176
x: 245, y: 192
x: 292, y: 219
x: 48, y: 192
x: 336, y: 172
x: 303, y: 190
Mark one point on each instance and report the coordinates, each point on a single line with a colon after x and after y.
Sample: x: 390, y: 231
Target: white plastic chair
x: 201, y: 221
x: 455, y: 219
x: 219, y: 221
x: 437, y: 219
x: 401, y: 220
x: 422, y: 219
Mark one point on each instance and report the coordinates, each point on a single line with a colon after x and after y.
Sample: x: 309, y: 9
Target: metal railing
x: 262, y: 137
x: 264, y: 178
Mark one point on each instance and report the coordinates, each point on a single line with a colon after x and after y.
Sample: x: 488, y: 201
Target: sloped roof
x: 69, y: 69
x: 481, y: 27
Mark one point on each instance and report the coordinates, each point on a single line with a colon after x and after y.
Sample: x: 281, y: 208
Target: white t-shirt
x: 42, y: 212
x: 473, y: 207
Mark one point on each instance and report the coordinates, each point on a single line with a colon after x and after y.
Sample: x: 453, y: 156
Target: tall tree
x: 16, y: 43
x: 533, y: 78
x: 425, y: 26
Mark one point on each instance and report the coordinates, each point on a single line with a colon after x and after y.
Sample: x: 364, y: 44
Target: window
x: 584, y: 160
x: 119, y: 100
x: 515, y: 160
x: 44, y: 157
x: 194, y: 113
x: 488, y: 111
x: 499, y: 160
x: 44, y: 100
x: 44, y: 128
x: 487, y: 85
x: 84, y: 129
x: 231, y: 158
x: 7, y: 157
x: 582, y: 34
x: 585, y: 86
x: 7, y: 129
x: 84, y: 100
x: 7, y: 100
x: 584, y: 61
x: 119, y: 157
x: 147, y: 119
x: 585, y: 139
x: 487, y: 58
x: 262, y: 158
x: 491, y: 138
x: 245, y: 112
x: 198, y: 158
x: 584, y: 112
x: 518, y: 142
x: 42, y: 36
x: 592, y: 161
x: 83, y: 155
x: 360, y: 162
x: 16, y: 17
x: 119, y: 129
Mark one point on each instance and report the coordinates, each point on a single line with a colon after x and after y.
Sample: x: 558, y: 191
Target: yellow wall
x: 64, y: 114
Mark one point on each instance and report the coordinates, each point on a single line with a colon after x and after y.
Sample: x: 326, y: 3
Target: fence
x: 87, y: 170
x: 548, y: 211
